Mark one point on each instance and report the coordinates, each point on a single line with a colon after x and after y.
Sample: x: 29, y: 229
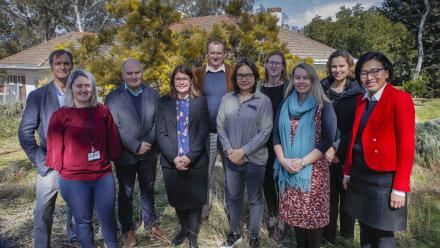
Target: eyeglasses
x: 274, y: 63
x: 373, y: 73
x: 184, y: 80
x: 248, y: 76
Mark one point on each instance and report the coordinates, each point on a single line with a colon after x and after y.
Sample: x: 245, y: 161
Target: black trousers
x: 308, y: 238
x: 376, y: 238
x: 270, y: 186
x: 190, y: 220
x: 146, y: 175
x: 337, y: 199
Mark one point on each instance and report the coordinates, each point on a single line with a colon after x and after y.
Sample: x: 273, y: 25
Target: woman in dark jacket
x: 182, y: 130
x: 273, y: 85
x: 380, y: 156
x: 342, y: 90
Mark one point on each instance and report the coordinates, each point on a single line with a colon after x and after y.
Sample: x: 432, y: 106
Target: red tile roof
x: 37, y: 56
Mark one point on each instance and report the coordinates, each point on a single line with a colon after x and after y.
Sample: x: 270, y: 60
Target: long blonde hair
x: 316, y: 90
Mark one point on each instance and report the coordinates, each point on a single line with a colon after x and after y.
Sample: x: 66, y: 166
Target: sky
x: 301, y: 12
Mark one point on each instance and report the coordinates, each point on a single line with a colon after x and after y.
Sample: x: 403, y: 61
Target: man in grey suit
x: 40, y: 105
x: 133, y: 106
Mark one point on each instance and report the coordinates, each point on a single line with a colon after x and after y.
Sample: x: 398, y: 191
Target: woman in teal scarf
x: 304, y: 129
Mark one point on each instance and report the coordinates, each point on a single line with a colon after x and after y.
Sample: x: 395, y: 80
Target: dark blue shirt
x: 214, y: 89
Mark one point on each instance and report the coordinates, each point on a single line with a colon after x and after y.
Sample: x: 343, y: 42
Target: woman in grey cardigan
x: 244, y: 123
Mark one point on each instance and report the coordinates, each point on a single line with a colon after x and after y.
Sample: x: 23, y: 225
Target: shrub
x: 11, y: 110
x: 416, y: 87
x: 428, y: 144
x: 9, y: 127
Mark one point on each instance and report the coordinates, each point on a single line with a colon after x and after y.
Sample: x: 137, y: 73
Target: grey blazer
x: 40, y: 105
x: 132, y: 129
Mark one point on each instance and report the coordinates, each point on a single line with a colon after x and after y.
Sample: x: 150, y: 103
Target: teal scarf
x: 303, y: 141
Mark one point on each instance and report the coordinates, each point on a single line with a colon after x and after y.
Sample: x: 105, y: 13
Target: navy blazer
x: 40, y: 105
x: 132, y: 129
x: 166, y: 131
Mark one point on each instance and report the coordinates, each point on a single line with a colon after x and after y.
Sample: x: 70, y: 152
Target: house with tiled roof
x: 26, y: 68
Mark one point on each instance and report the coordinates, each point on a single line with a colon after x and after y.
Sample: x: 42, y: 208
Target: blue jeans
x: 252, y: 176
x: 46, y: 195
x: 126, y: 174
x: 82, y: 196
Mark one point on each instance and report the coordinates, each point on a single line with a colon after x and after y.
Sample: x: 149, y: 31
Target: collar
x: 256, y: 95
x: 376, y: 96
x: 221, y: 68
x: 59, y: 91
x: 137, y: 93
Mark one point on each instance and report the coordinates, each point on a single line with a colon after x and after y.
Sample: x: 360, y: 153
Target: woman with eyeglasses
x: 273, y: 85
x: 304, y: 130
x: 380, y: 155
x: 244, y: 124
x: 342, y: 90
x: 81, y: 140
x: 182, y: 129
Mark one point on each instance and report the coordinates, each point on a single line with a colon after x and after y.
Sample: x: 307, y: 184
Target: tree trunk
x: 420, y: 40
x: 79, y: 24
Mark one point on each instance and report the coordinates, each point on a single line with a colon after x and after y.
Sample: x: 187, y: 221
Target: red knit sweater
x: 68, y: 142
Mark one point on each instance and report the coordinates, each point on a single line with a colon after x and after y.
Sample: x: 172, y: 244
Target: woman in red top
x: 82, y: 139
x: 380, y: 156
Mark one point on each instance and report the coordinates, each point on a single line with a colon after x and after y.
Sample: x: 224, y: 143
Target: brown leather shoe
x: 129, y: 239
x: 157, y: 232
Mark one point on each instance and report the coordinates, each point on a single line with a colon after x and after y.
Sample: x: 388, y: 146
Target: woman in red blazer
x: 380, y: 156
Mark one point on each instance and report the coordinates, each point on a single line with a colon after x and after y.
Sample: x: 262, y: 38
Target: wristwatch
x: 302, y: 163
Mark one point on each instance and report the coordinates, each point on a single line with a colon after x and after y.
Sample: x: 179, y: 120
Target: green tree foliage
x: 253, y: 37
x: 358, y: 31
x: 409, y: 12
x: 25, y: 23
x: 145, y: 35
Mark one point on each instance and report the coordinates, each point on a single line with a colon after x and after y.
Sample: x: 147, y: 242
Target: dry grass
x: 17, y: 185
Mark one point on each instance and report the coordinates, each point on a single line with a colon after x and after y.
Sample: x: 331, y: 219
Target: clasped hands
x: 145, y: 147
x: 331, y: 155
x: 182, y: 163
x: 292, y: 165
x: 236, y: 155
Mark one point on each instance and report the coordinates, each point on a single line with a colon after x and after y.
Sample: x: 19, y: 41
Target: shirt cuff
x: 398, y: 192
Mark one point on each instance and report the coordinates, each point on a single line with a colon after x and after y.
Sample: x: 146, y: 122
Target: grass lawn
x: 17, y: 185
x: 427, y: 109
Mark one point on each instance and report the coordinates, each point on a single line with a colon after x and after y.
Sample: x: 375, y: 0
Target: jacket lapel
x: 128, y: 105
x: 54, y: 104
x: 192, y: 102
x: 144, y: 106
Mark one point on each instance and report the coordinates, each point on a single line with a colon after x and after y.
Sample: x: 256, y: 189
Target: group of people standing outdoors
x: 305, y: 150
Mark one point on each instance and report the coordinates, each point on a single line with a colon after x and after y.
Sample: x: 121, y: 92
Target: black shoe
x: 231, y: 240
x: 193, y: 241
x: 254, y: 243
x: 178, y: 240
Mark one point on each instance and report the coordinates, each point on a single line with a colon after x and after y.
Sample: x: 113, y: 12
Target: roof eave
x: 25, y: 67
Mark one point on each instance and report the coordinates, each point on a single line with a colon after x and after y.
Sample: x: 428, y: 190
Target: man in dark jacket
x: 40, y: 105
x: 133, y: 107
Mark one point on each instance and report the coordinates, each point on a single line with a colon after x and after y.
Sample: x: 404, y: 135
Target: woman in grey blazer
x: 182, y: 131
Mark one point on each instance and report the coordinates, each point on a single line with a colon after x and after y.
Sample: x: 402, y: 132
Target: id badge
x: 94, y: 155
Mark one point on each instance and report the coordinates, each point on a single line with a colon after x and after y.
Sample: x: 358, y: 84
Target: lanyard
x: 89, y: 125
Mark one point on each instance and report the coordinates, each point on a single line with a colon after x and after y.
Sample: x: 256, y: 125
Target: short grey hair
x: 69, y: 94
